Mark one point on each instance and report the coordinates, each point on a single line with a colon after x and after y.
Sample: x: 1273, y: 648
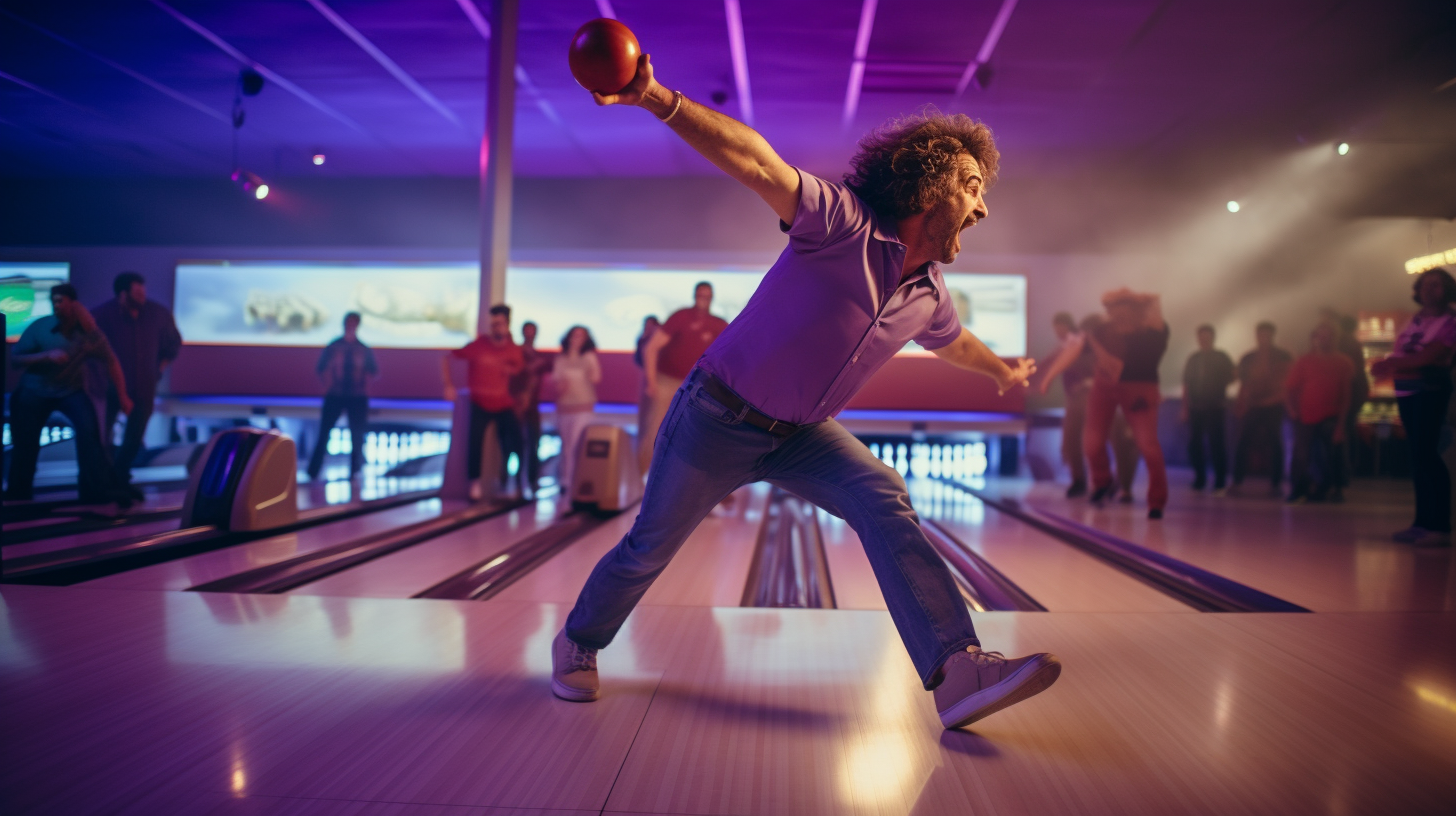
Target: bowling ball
x: 603, y: 56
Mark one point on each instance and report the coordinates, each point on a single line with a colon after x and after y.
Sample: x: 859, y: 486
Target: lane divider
x: 1203, y: 590
x: 986, y: 589
x: 790, y: 569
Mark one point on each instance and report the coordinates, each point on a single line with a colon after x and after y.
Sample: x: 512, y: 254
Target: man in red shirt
x: 1317, y: 392
x: 491, y: 360
x: 670, y: 356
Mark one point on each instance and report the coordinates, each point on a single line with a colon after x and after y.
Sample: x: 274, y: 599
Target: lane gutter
x: 1203, y: 590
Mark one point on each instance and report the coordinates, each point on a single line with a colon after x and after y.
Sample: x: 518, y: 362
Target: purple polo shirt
x: 830, y: 311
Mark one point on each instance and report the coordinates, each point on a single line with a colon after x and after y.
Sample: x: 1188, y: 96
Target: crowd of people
x: 505, y: 379
x: 1109, y: 364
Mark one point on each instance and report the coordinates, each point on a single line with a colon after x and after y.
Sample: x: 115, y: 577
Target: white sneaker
x: 978, y: 684
x: 573, y: 670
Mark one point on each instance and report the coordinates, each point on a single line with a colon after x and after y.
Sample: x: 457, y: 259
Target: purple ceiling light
x: 857, y: 68
x: 385, y: 62
x: 740, y: 59
x: 988, y: 46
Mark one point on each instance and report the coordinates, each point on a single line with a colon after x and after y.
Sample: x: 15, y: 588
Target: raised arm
x: 733, y: 147
x: 1066, y: 355
x: 968, y: 352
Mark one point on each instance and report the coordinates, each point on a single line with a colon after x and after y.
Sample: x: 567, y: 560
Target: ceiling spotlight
x: 318, y: 159
x: 1343, y: 148
x: 1233, y: 206
x: 249, y: 183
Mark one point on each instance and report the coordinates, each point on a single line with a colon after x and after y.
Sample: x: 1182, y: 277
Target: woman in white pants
x: 577, y: 372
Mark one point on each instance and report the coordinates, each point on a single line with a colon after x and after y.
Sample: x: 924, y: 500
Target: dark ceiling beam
x: 138, y: 76
x: 404, y: 77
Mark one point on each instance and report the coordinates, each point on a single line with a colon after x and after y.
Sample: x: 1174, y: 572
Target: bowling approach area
x: 1241, y: 657
x: 345, y: 338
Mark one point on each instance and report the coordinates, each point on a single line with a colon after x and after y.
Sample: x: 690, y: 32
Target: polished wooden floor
x: 131, y: 697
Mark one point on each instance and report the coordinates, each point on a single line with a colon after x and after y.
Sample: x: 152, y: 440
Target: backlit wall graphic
x: 25, y: 292
x: 434, y: 305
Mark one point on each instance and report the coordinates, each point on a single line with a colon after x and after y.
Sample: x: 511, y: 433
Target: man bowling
x: 857, y: 281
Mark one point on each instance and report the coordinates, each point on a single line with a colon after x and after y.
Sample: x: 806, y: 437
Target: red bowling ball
x: 603, y: 56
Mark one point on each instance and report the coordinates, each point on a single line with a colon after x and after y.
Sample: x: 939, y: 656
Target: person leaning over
x: 55, y: 352
x: 144, y: 337
x: 858, y: 280
x: 1421, y: 366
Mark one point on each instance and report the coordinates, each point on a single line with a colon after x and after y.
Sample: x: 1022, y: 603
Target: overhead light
x: 1233, y: 206
x: 318, y: 159
x: 249, y: 183
x: 1343, y: 148
x: 1416, y: 266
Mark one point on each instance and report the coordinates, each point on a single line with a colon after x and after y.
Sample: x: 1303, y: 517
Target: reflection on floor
x: 316, y: 703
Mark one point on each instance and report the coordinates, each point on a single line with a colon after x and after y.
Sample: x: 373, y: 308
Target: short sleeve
x: 827, y: 212
x: 945, y: 325
x: 464, y: 352
x: 675, y: 321
x: 28, y: 344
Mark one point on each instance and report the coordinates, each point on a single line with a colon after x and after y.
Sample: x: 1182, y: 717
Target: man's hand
x: 636, y: 91
x: 1025, y: 367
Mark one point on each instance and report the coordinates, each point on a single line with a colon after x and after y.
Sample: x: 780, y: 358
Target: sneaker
x: 1409, y: 535
x: 1077, y: 489
x: 1155, y: 513
x: 1100, y: 495
x: 573, y: 671
x: 978, y: 684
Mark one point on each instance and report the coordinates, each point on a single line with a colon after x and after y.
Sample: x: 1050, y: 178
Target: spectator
x: 346, y: 366
x: 670, y: 355
x: 1348, y: 344
x: 55, y: 351
x: 1260, y: 408
x: 1076, y: 371
x: 1128, y: 348
x: 491, y: 360
x: 145, y: 340
x: 650, y: 325
x: 1421, y: 367
x: 526, y: 390
x: 577, y: 373
x: 1206, y: 378
x: 1317, y: 393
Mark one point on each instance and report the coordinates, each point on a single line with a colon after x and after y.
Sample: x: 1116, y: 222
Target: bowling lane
x: 416, y: 568
x: 850, y: 572
x: 709, y: 570
x: 44, y: 545
x: 1062, y: 578
x: 188, y: 572
x: 1327, y: 557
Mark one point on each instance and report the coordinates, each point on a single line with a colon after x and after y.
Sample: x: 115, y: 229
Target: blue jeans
x: 705, y: 451
x: 29, y: 411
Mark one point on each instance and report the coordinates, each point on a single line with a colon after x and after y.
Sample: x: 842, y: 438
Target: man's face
x: 351, y: 329
x: 1205, y: 339
x: 1324, y: 337
x: 500, y: 327
x: 962, y: 208
x: 1264, y: 338
x: 1062, y: 329
x: 136, y: 295
x: 1431, y: 291
x: 64, y: 307
x: 703, y: 297
x: 528, y: 333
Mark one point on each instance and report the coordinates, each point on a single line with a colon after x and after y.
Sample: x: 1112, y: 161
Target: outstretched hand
x: 635, y: 91
x: 1019, y: 375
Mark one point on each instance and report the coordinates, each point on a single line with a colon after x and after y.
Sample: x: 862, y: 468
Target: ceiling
x: 395, y: 87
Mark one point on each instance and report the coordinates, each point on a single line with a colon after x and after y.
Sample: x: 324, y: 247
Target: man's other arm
x: 968, y: 352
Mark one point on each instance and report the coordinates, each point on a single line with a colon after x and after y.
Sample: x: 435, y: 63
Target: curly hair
x: 1448, y: 285
x: 907, y: 164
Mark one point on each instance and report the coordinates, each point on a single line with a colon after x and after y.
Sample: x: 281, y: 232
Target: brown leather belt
x: 732, y: 402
